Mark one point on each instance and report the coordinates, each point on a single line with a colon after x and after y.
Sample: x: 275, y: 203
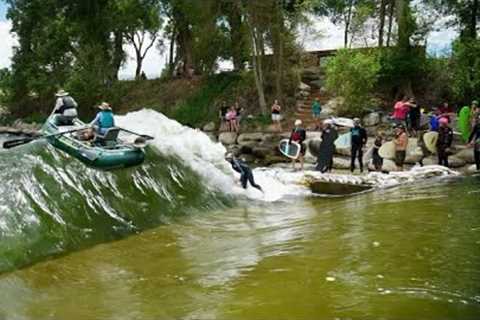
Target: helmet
x: 443, y: 120
x: 356, y: 120
x: 298, y: 122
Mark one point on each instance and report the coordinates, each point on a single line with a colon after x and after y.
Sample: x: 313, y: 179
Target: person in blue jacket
x: 104, y: 119
x: 241, y: 167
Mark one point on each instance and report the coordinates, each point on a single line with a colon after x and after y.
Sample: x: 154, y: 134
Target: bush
x: 353, y: 75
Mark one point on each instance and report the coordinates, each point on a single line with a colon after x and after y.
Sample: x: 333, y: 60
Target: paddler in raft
x: 104, y: 119
x: 65, y: 109
x: 299, y: 135
x: 246, y: 174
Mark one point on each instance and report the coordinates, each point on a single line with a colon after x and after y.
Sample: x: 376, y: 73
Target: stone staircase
x: 304, y: 106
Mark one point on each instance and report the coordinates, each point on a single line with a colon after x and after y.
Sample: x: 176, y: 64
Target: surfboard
x: 430, y: 140
x: 368, y: 155
x: 343, y: 122
x: 464, y: 122
x: 387, y: 150
x: 344, y: 141
x: 290, y: 150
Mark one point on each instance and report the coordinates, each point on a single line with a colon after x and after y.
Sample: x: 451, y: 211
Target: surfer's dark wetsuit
x: 359, y: 139
x: 475, y: 138
x: 245, y: 172
x: 327, y: 149
x: 445, y: 139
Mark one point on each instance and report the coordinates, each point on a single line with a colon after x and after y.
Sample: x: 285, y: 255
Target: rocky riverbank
x: 21, y: 128
x: 261, y: 148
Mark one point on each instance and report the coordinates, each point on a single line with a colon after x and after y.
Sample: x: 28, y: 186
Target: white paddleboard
x: 343, y: 122
x: 368, y: 155
x: 430, y: 140
x: 344, y: 141
x: 387, y: 150
x: 290, y: 150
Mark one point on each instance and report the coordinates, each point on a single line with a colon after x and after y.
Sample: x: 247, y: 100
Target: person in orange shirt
x: 401, y: 144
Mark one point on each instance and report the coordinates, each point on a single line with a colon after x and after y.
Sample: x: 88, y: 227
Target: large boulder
x: 248, y: 139
x: 455, y: 162
x: 472, y: 169
x: 310, y: 74
x: 332, y: 105
x: 262, y: 152
x: 372, y: 119
x: 341, y: 163
x: 317, y: 84
x: 209, y: 127
x: 466, y: 155
x: 228, y: 138
x: 304, y: 87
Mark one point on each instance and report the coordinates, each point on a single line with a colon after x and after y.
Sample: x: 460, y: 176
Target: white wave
x: 206, y: 158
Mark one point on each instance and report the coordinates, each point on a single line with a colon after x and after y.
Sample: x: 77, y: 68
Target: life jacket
x: 297, y: 135
x: 67, y: 103
x: 106, y: 119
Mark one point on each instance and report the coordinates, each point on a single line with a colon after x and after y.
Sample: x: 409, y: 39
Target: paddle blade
x: 17, y: 142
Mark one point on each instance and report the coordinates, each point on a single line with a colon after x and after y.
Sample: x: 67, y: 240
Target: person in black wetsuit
x: 376, y: 159
x: 246, y: 174
x: 444, y: 142
x: 327, y: 147
x: 359, y: 139
x: 474, y: 141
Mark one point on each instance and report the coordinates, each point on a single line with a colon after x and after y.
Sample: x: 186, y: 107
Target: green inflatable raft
x: 107, y: 153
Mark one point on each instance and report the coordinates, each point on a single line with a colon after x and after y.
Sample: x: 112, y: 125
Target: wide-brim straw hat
x: 62, y: 93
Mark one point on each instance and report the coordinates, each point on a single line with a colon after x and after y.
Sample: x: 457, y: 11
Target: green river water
x: 405, y: 253
x: 177, y: 238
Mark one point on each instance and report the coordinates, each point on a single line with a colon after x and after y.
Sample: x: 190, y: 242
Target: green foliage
x: 353, y: 75
x: 466, y: 70
x: 201, y: 107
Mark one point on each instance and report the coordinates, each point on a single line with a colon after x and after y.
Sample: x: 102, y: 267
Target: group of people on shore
x: 230, y: 117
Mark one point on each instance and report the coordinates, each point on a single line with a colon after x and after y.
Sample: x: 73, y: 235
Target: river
x: 186, y: 250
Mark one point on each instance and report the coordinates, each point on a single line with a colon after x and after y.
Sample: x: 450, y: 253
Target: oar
x: 18, y: 142
x: 146, y: 137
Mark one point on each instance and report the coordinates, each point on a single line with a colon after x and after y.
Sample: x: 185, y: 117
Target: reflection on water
x: 399, y: 254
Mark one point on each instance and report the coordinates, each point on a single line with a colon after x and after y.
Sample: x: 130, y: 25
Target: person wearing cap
x: 104, y: 119
x: 299, y: 135
x: 65, y: 108
x: 246, y: 174
x: 401, y: 144
x: 474, y: 141
x: 444, y: 141
x: 359, y: 140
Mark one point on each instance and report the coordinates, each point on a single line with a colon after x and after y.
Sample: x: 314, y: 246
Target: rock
x: 413, y: 158
x: 227, y: 138
x: 332, y: 105
x: 262, y: 153
x: 341, y: 163
x: 455, y: 162
x: 343, y: 151
x: 472, y: 169
x: 310, y: 74
x: 245, y: 149
x: 209, y: 127
x: 250, y: 138
x: 304, y: 87
x: 317, y: 84
x: 371, y: 119
x: 466, y: 155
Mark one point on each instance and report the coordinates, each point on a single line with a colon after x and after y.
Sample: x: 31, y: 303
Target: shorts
x: 303, y: 149
x: 400, y: 157
x: 276, y: 117
x: 316, y: 114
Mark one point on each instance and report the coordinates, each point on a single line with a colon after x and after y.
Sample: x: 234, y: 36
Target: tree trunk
x: 138, y: 70
x: 118, y: 54
x: 237, y: 39
x: 474, y: 17
x: 403, y: 23
x: 381, y: 25
x: 171, y: 61
x: 348, y: 19
x: 277, y: 30
x: 391, y: 12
